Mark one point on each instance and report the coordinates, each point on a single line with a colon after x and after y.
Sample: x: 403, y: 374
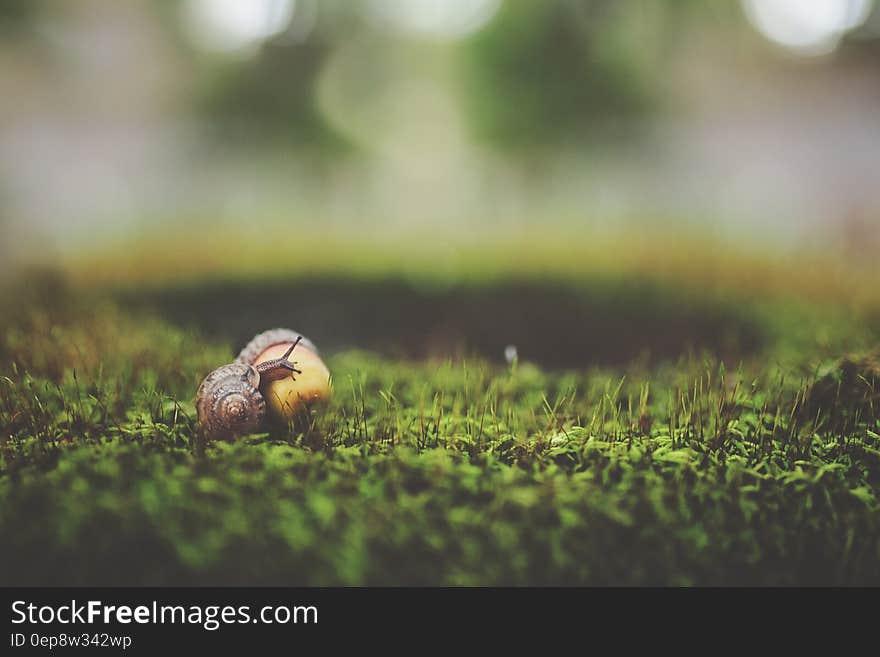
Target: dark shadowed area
x: 556, y: 326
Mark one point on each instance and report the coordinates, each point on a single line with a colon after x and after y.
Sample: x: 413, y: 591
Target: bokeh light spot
x: 807, y: 27
x: 235, y: 25
x: 439, y: 19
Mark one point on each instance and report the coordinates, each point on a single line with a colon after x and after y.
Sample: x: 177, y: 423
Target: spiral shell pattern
x: 268, y: 339
x: 229, y: 402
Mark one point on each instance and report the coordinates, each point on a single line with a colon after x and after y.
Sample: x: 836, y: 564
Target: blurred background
x: 749, y: 120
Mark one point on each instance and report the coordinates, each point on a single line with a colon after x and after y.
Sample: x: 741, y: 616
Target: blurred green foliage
x: 270, y: 98
x: 538, y: 75
x: 15, y: 14
x: 542, y: 72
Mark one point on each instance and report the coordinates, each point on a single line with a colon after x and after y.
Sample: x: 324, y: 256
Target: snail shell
x: 229, y: 402
x: 270, y: 338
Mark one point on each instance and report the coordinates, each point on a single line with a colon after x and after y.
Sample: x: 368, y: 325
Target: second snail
x: 276, y: 377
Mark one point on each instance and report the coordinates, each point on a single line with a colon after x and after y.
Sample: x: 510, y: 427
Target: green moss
x: 666, y: 470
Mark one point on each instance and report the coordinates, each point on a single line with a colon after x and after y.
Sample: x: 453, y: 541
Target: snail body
x: 236, y: 399
x: 289, y: 395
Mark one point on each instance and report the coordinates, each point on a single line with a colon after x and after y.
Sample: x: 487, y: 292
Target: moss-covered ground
x: 650, y: 431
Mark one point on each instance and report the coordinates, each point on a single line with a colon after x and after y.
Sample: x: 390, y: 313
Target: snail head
x: 279, y: 368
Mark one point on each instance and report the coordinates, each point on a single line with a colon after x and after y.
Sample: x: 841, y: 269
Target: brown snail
x: 237, y: 398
